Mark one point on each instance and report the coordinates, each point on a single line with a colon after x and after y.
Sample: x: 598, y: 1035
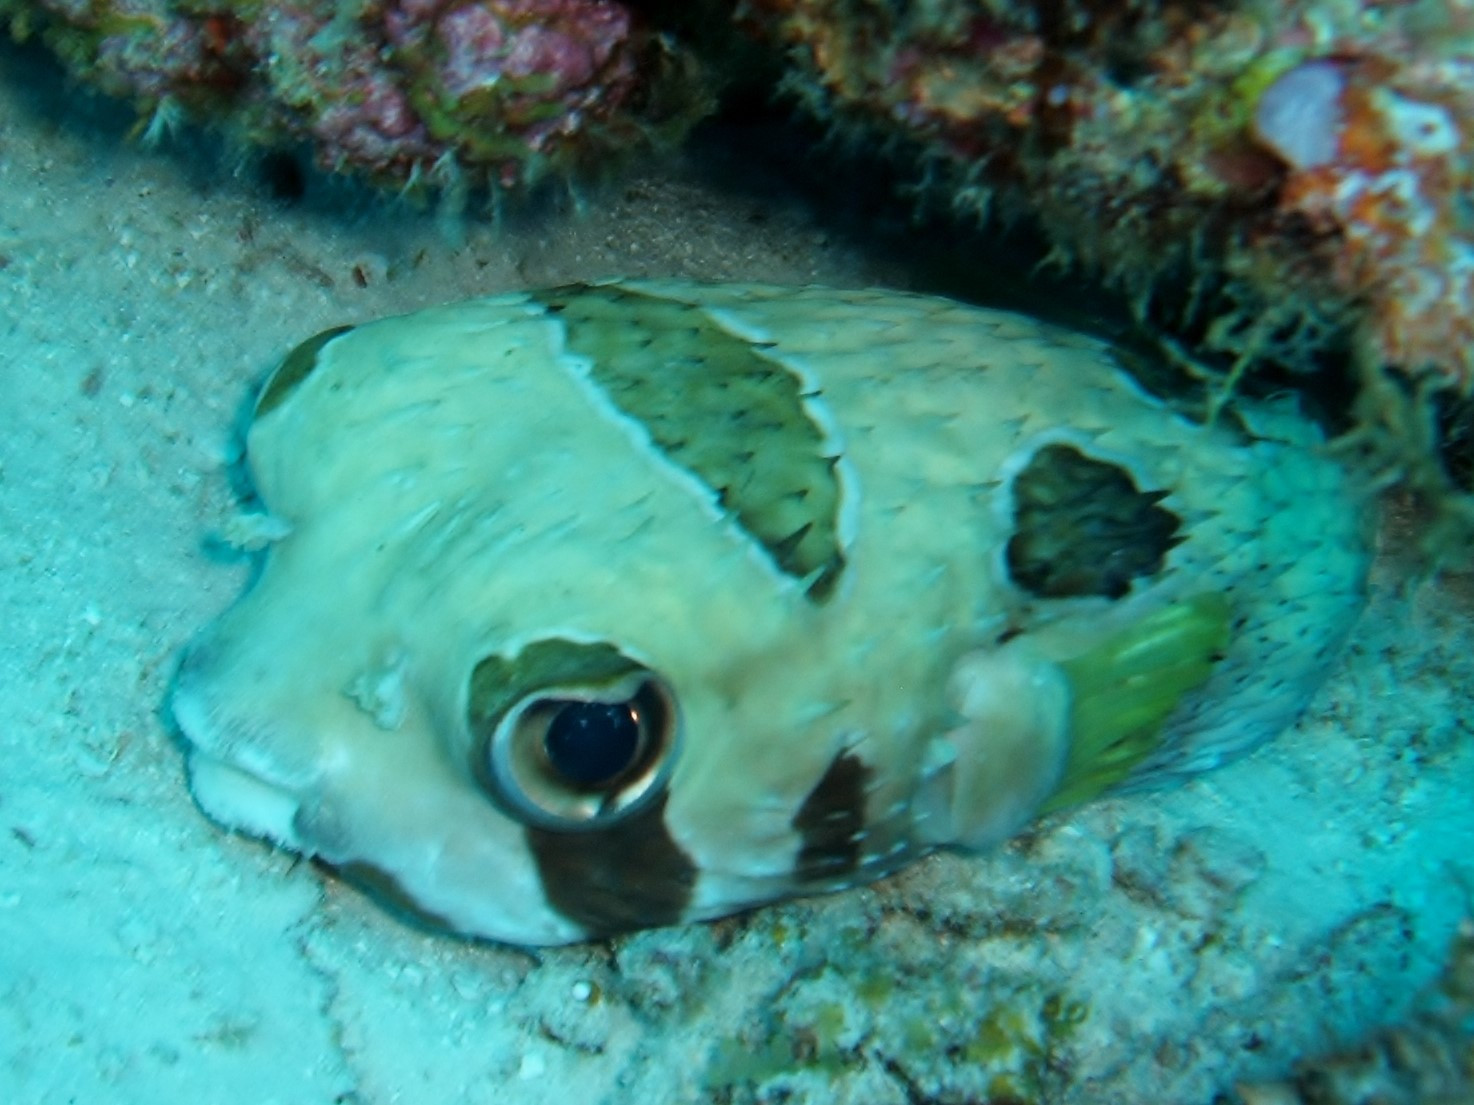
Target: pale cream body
x: 456, y: 485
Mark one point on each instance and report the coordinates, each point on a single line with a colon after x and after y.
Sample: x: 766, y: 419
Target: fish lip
x: 227, y: 774
x: 244, y: 801
x: 208, y: 726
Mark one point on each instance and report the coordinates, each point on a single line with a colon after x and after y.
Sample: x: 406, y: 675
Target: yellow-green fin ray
x: 1124, y: 688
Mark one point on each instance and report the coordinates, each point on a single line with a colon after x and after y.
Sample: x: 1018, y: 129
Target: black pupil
x: 592, y: 742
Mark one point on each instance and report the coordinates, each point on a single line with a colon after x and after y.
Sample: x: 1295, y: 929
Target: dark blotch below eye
x: 1082, y: 527
x: 630, y: 875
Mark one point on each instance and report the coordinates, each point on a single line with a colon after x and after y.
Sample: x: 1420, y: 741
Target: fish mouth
x: 244, y: 802
x: 225, y: 761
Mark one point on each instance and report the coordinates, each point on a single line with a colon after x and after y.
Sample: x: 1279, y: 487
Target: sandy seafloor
x: 1153, y: 948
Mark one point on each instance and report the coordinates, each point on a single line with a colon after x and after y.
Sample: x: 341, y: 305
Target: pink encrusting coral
x: 498, y: 90
x: 1309, y: 158
x: 1396, y: 188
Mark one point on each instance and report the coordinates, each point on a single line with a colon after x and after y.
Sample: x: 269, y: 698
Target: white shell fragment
x: 622, y: 605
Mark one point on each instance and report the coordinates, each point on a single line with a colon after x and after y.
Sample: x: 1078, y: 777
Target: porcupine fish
x: 629, y: 604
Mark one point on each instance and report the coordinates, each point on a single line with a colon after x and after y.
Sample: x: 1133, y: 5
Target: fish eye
x: 590, y: 743
x: 580, y: 757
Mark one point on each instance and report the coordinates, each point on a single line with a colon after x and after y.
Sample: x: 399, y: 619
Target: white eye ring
x: 519, y: 764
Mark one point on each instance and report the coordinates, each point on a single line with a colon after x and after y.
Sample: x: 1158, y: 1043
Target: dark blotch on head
x: 832, y: 821
x: 296, y: 367
x: 631, y: 875
x: 1083, y: 528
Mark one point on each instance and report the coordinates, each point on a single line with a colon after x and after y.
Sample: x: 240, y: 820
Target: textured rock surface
x: 1426, y: 1060
x: 1154, y: 140
x: 446, y: 92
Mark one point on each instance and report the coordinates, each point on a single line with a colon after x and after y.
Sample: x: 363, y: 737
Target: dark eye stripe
x: 716, y: 406
x: 631, y: 875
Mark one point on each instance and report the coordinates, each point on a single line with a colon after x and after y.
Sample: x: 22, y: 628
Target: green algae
x: 830, y: 1023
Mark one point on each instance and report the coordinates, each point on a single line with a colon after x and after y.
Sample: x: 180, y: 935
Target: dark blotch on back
x: 631, y: 875
x: 722, y: 409
x: 832, y: 821
x: 1083, y: 528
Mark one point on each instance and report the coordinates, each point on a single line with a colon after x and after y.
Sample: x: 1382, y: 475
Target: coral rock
x: 1307, y: 164
x: 497, y: 91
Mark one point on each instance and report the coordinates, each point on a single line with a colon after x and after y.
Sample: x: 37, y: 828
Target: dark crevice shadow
x: 760, y: 151
x: 754, y: 149
x: 857, y: 192
x: 872, y: 197
x: 206, y: 157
